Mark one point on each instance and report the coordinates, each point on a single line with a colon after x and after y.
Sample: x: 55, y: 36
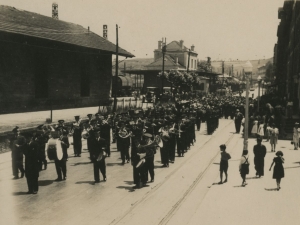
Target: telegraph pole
x: 164, y: 50
x: 117, y: 67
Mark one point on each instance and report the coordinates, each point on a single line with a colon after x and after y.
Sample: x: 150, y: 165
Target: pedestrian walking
x: 224, y: 163
x: 260, y: 152
x: 296, y: 132
x: 254, y: 130
x: 244, y: 166
x: 278, y: 171
x: 260, y: 131
x: 238, y: 120
x: 273, y: 137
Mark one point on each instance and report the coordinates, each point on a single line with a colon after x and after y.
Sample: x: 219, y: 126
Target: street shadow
x: 85, y: 182
x: 216, y: 184
x: 237, y: 186
x: 291, y: 167
x: 216, y: 163
x: 20, y: 193
x: 296, y: 162
x: 81, y: 163
x: 128, y: 188
x: 159, y: 167
x: 45, y: 182
x: 250, y: 178
x: 129, y: 182
x: 271, y: 189
x: 114, y: 164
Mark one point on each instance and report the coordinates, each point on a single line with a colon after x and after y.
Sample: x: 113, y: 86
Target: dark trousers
x: 61, y: 168
x: 99, y: 166
x: 259, y: 163
x: 124, y: 153
x: 107, y: 145
x: 237, y: 126
x: 32, y: 182
x: 198, y: 123
x: 17, y: 164
x: 77, y: 144
x: 150, y: 166
x: 42, y: 160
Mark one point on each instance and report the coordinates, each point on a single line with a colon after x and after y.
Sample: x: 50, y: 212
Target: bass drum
x: 54, y: 149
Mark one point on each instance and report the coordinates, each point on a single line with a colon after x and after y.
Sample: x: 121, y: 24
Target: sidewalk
x: 259, y: 202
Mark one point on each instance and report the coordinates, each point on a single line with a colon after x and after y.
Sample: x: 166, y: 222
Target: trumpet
x: 123, y: 133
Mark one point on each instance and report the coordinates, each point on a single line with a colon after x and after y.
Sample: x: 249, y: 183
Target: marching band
x: 145, y: 132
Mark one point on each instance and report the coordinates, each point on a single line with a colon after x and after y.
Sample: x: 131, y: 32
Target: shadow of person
x: 129, y: 182
x: 238, y: 186
x: 114, y: 164
x: 129, y: 188
x: 20, y: 193
x: 271, y: 189
x: 45, y: 182
x: 291, y: 167
x: 249, y: 178
x: 81, y: 163
x: 85, y: 182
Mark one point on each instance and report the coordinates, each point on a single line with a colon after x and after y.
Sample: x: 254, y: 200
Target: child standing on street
x: 224, y: 163
x: 278, y: 171
x: 244, y: 166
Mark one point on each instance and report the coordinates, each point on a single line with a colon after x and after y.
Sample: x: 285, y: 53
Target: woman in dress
x: 296, y: 131
x: 278, y: 171
x: 244, y: 167
x: 260, y: 130
x: 273, y: 137
x: 254, y: 127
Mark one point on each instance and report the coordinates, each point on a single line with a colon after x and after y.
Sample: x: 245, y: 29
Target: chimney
x: 105, y: 31
x: 55, y: 11
x: 193, y: 48
x: 88, y: 30
x: 159, y: 45
x: 181, y: 43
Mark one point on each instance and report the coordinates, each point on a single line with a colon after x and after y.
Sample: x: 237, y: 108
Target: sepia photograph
x: 153, y: 112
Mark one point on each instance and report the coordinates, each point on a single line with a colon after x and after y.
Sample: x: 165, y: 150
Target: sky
x: 221, y: 29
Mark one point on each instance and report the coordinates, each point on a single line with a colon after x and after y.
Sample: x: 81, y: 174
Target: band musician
x: 77, y: 130
x: 123, y: 142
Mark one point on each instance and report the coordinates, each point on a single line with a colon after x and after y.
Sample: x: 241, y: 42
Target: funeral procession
x: 149, y: 112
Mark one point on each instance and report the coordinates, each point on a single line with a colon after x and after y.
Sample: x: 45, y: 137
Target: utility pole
x: 188, y: 65
x: 117, y: 67
x: 164, y: 50
x: 223, y: 65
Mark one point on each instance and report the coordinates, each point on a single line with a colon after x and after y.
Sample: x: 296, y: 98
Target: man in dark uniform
x: 259, y: 151
x: 17, y: 145
x: 123, y: 142
x: 32, y: 166
x: 88, y: 127
x: 150, y: 149
x: 238, y: 120
x: 42, y: 137
x: 98, y: 156
x: 198, y: 118
x: 105, y: 133
x: 77, y: 144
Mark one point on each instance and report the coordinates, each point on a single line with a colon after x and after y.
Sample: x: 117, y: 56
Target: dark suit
x: 259, y: 158
x: 32, y: 166
x: 97, y: 149
x: 17, y: 154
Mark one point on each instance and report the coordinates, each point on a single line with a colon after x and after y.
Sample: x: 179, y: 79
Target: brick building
x: 45, y: 62
x: 287, y: 52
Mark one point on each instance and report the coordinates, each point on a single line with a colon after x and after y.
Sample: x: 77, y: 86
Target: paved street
x: 184, y: 193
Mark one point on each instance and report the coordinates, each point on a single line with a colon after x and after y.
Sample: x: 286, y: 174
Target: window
x: 192, y: 63
x: 41, y: 78
x: 85, y: 82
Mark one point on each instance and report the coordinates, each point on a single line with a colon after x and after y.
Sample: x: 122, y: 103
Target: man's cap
x: 61, y: 121
x: 97, y: 114
x: 15, y: 129
x: 88, y: 115
x: 77, y: 117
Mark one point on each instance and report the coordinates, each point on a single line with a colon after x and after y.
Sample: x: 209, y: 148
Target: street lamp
x: 258, y: 98
x: 248, y: 71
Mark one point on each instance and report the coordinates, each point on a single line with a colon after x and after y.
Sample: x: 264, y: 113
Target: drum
x: 54, y: 149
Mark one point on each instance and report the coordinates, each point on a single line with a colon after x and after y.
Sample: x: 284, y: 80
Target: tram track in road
x: 155, y: 190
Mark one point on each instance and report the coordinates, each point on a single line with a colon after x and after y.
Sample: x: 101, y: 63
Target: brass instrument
x: 123, y: 133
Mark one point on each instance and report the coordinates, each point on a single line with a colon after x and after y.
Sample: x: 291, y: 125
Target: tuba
x: 123, y: 133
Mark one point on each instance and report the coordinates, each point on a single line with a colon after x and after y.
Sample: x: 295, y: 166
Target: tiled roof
x: 26, y: 23
x: 170, y: 64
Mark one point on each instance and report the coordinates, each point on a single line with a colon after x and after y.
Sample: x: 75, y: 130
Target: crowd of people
x: 168, y: 128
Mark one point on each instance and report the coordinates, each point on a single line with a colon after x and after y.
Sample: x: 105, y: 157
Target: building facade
x: 47, y: 64
x: 287, y: 52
